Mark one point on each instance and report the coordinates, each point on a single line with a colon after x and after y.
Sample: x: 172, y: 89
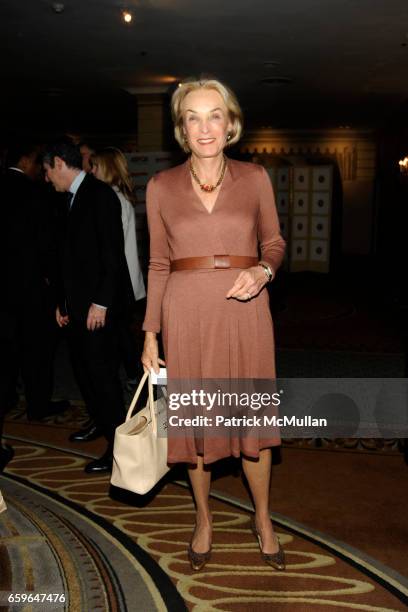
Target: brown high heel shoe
x: 197, y: 560
x: 275, y: 560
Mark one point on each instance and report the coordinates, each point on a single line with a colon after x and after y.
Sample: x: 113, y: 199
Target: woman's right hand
x: 150, y: 355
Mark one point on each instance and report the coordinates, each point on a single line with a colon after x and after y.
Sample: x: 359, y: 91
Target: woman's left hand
x: 248, y: 284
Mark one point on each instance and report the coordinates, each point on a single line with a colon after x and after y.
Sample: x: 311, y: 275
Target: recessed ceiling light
x: 58, y: 7
x: 53, y: 92
x: 127, y: 17
x: 277, y: 81
x: 166, y: 78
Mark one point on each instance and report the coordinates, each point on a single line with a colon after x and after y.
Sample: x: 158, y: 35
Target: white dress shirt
x: 76, y: 184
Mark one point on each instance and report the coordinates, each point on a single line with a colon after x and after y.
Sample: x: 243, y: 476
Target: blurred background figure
x: 27, y: 268
x: 110, y: 165
x: 95, y: 290
x: 86, y: 150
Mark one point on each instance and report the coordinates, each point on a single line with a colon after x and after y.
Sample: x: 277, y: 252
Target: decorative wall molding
x: 354, y: 151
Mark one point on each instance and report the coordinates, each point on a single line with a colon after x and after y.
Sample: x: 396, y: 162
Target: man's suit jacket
x: 94, y: 268
x: 28, y: 246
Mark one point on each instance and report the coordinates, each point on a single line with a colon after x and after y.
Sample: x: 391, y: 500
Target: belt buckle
x: 222, y: 262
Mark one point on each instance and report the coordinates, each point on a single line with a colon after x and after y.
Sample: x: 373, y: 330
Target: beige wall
x: 151, y: 122
x: 152, y: 104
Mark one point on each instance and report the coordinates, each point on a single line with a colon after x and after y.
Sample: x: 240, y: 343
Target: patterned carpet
x: 348, y: 313
x: 70, y: 560
x: 129, y: 552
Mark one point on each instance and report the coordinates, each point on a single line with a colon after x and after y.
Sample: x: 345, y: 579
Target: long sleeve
x: 109, y: 232
x: 159, y: 264
x: 271, y: 243
x: 131, y: 251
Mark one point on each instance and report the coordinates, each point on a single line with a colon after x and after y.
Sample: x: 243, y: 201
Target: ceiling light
x: 58, y: 7
x: 276, y: 81
x: 127, y: 17
x: 403, y: 165
x: 271, y: 64
x: 165, y: 78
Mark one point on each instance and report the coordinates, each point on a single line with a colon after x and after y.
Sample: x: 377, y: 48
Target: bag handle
x: 150, y: 402
x: 136, y: 395
x: 151, y: 406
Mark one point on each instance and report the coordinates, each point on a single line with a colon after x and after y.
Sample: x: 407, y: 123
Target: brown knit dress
x: 206, y: 336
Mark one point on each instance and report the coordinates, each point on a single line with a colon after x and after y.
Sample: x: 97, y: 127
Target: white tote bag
x: 140, y: 447
x: 3, y: 506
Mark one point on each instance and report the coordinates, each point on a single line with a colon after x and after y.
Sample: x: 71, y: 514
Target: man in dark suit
x: 95, y: 291
x: 27, y: 257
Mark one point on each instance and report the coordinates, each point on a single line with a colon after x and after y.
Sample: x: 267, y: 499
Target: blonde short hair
x: 230, y: 100
x: 114, y: 170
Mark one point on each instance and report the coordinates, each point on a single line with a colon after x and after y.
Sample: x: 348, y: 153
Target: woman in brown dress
x: 208, y: 220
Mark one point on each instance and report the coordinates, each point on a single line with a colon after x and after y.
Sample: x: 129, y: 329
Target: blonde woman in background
x: 110, y: 166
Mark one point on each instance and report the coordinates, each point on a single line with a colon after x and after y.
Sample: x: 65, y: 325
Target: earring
x: 229, y: 137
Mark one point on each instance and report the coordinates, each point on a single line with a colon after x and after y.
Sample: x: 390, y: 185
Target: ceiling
x: 345, y: 62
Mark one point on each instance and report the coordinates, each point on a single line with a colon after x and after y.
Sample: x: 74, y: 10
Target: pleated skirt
x: 208, y: 337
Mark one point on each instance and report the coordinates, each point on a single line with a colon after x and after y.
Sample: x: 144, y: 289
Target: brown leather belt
x: 213, y: 262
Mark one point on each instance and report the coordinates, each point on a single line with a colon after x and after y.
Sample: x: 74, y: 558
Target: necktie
x: 69, y: 200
